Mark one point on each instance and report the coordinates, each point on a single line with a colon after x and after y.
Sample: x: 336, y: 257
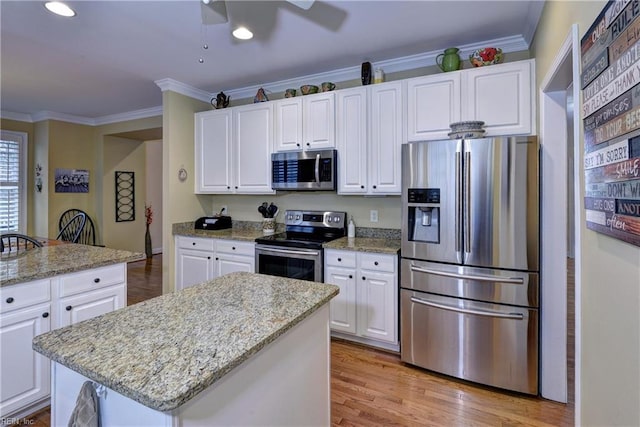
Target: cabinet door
x: 213, y: 142
x: 343, y: 306
x: 501, y: 96
x: 377, y: 306
x: 25, y: 373
x: 319, y: 121
x: 193, y: 267
x: 433, y: 103
x: 352, y: 140
x: 288, y: 124
x: 90, y: 304
x: 254, y: 144
x: 227, y: 263
x: 386, y: 138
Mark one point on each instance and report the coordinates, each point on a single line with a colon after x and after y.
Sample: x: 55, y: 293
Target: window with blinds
x: 13, y: 205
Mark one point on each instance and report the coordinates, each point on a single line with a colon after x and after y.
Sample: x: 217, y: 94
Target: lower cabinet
x: 366, y: 309
x: 33, y: 308
x: 199, y: 259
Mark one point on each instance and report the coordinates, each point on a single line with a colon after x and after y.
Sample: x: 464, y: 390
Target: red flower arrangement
x: 148, y: 214
x: 488, y: 54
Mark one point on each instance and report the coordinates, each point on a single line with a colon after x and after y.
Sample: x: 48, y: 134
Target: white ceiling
x: 105, y: 61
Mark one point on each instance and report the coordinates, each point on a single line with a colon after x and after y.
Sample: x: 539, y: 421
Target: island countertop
x: 164, y: 351
x: 49, y: 261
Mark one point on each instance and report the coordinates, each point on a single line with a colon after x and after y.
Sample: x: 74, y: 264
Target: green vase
x: 449, y: 60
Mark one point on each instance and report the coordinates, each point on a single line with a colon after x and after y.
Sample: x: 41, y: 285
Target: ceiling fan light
x: 242, y: 33
x: 59, y: 8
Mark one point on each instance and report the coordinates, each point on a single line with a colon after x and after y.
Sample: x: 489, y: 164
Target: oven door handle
x: 512, y: 280
x: 317, y: 170
x: 486, y: 313
x: 289, y: 251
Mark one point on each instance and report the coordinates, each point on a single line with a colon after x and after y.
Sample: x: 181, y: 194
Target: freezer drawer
x: 491, y: 344
x: 481, y: 284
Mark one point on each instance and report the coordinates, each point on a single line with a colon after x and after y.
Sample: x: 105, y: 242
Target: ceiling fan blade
x: 214, y: 12
x: 302, y: 4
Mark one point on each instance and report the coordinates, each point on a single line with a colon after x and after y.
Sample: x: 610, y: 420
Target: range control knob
x: 329, y: 219
x: 336, y: 219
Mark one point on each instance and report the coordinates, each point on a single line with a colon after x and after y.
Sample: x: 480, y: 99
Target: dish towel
x: 87, y: 410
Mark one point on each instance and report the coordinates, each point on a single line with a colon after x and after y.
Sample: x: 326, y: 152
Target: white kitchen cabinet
x: 194, y: 261
x: 213, y: 151
x: 305, y: 123
x: 369, y: 139
x: 253, y: 129
x: 232, y: 256
x: 366, y: 309
x: 33, y: 308
x: 500, y: 95
x: 25, y: 373
x: 200, y: 259
x: 433, y: 104
x: 233, y: 150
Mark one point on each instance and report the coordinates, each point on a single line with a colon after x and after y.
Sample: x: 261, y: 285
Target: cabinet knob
x: 45, y: 314
x: 194, y: 243
x: 96, y: 280
x: 350, y: 276
x: 364, y: 278
x: 228, y: 187
x: 308, y: 144
x: 68, y: 308
x: 10, y: 300
x: 375, y: 263
x: 297, y: 145
x: 375, y: 186
x: 233, y: 248
x: 362, y: 186
x: 217, y: 258
x: 339, y: 259
x: 236, y: 187
x: 208, y: 257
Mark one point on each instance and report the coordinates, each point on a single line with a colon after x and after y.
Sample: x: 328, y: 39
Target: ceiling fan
x: 260, y: 15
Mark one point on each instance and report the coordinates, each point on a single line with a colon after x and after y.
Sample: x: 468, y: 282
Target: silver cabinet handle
x: 512, y: 280
x: 318, y: 168
x: 486, y: 313
x: 291, y: 252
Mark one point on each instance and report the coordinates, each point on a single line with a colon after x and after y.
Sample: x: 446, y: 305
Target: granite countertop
x: 365, y: 244
x: 48, y: 261
x: 235, y: 233
x: 164, y: 351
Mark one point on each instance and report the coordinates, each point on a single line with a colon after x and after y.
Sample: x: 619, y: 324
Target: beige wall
x: 153, y: 166
x: 610, y: 301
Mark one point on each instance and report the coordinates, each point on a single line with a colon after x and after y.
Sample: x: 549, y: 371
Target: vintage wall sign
x: 610, y: 84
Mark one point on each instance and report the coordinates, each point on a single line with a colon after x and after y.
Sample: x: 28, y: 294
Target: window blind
x: 12, y: 182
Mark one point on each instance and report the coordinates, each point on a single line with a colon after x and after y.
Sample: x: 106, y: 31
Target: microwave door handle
x: 318, y: 169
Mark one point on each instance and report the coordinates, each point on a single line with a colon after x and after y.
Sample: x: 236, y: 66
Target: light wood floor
x: 374, y: 388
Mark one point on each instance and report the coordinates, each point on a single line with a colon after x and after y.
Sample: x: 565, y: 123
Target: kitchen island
x: 243, y: 349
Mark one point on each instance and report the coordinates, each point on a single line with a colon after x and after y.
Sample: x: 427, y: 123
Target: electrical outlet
x: 373, y: 216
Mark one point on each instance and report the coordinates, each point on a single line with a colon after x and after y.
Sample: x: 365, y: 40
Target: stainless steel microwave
x: 304, y: 170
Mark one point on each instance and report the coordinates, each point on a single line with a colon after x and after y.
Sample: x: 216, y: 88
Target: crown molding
x: 507, y: 44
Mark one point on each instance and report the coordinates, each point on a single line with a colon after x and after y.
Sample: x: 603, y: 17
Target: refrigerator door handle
x: 467, y: 201
x: 512, y: 280
x: 458, y: 218
x: 486, y: 313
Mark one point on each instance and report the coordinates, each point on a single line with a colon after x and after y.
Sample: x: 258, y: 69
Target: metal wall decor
x: 125, y: 196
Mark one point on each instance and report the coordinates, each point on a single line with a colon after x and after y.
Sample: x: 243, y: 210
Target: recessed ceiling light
x: 59, y: 8
x: 242, y: 33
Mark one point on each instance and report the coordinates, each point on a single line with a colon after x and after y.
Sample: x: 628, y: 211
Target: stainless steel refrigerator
x: 469, y: 304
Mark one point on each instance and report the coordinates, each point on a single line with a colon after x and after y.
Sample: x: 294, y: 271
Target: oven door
x: 296, y: 263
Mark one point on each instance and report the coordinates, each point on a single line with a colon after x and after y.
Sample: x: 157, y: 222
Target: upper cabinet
x: 369, y: 137
x: 500, y: 95
x: 233, y: 150
x: 305, y: 123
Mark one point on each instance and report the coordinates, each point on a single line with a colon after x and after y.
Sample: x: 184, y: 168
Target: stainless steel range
x: 297, y: 252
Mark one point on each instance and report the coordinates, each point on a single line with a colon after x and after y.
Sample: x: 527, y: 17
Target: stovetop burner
x: 308, y: 229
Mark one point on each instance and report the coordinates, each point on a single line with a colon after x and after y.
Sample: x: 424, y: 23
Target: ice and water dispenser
x: 423, y: 210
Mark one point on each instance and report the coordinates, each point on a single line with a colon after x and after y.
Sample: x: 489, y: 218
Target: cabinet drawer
x: 92, y: 279
x: 199, y: 243
x: 340, y: 258
x: 13, y: 297
x: 378, y: 262
x: 236, y: 247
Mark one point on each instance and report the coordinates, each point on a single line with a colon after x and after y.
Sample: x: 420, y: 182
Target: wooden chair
x: 16, y: 242
x: 88, y: 234
x: 72, y: 230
